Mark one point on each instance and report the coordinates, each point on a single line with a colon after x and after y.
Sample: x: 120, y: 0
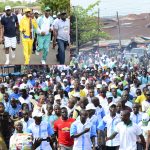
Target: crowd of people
x: 37, y: 32
x: 103, y: 107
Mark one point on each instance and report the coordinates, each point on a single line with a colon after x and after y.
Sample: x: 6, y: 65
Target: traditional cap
x: 90, y: 106
x: 7, y: 8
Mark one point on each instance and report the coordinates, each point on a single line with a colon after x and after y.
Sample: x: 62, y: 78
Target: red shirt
x: 62, y: 127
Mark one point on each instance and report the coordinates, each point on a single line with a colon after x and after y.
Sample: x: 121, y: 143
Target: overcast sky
x: 124, y: 7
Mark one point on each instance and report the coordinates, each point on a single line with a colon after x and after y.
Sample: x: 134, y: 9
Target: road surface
x: 51, y: 58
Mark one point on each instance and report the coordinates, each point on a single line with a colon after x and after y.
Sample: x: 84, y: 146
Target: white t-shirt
x: 128, y: 135
x: 145, y: 105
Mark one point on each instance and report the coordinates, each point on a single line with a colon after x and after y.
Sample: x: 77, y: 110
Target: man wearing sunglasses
x: 146, y: 103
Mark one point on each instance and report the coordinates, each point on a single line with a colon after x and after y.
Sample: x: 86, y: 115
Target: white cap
x: 112, y: 104
x: 76, y: 95
x: 63, y: 74
x: 145, y: 117
x: 36, y: 11
x: 57, y: 97
x: 98, y: 86
x: 121, y: 75
x: 7, y: 8
x: 109, y: 94
x: 22, y: 86
x: 83, y: 78
x: 48, y: 76
x: 71, y: 86
x: 90, y: 106
x: 37, y: 113
x: 65, y: 80
x: 15, y: 87
x: 29, y: 75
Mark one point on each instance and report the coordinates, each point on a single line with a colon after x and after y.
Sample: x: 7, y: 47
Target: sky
x: 124, y: 7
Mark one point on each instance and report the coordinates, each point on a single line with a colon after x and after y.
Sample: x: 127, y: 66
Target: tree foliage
x: 56, y: 5
x: 89, y: 28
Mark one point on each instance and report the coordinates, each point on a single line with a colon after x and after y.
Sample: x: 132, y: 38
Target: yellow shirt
x: 82, y: 93
x: 25, y: 25
x: 140, y: 99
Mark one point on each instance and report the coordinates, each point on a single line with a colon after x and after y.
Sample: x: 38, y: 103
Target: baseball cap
x: 7, y: 8
x: 29, y: 75
x: 57, y: 97
x: 145, y: 117
x: 15, y: 87
x: 37, y: 113
x: 47, y: 8
x: 47, y: 76
x: 121, y: 75
x: 65, y: 80
x: 111, y: 104
x: 109, y: 95
x: 27, y: 10
x: 90, y: 106
x: 83, y: 78
x: 63, y: 74
x: 98, y: 86
x: 36, y: 12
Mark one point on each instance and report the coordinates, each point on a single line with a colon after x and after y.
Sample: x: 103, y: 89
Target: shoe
x: 37, y: 53
x: 43, y: 62
x: 7, y: 62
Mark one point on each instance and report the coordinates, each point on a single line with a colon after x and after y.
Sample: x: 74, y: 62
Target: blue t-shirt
x: 9, y: 23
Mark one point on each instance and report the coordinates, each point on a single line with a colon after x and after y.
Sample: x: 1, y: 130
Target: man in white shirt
x: 110, y: 121
x: 128, y: 132
x: 26, y: 120
x: 83, y: 133
x: 44, y: 34
x: 42, y: 130
x: 62, y: 35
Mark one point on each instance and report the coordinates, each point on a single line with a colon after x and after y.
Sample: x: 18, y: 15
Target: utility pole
x: 98, y: 24
x: 77, y: 42
x: 119, y: 33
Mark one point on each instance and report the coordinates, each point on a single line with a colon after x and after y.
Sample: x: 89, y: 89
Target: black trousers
x: 112, y: 148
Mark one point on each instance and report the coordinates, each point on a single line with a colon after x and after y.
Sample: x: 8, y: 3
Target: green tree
x: 89, y: 28
x: 56, y: 5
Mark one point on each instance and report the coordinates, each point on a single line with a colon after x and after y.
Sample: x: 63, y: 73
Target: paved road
x: 51, y: 58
